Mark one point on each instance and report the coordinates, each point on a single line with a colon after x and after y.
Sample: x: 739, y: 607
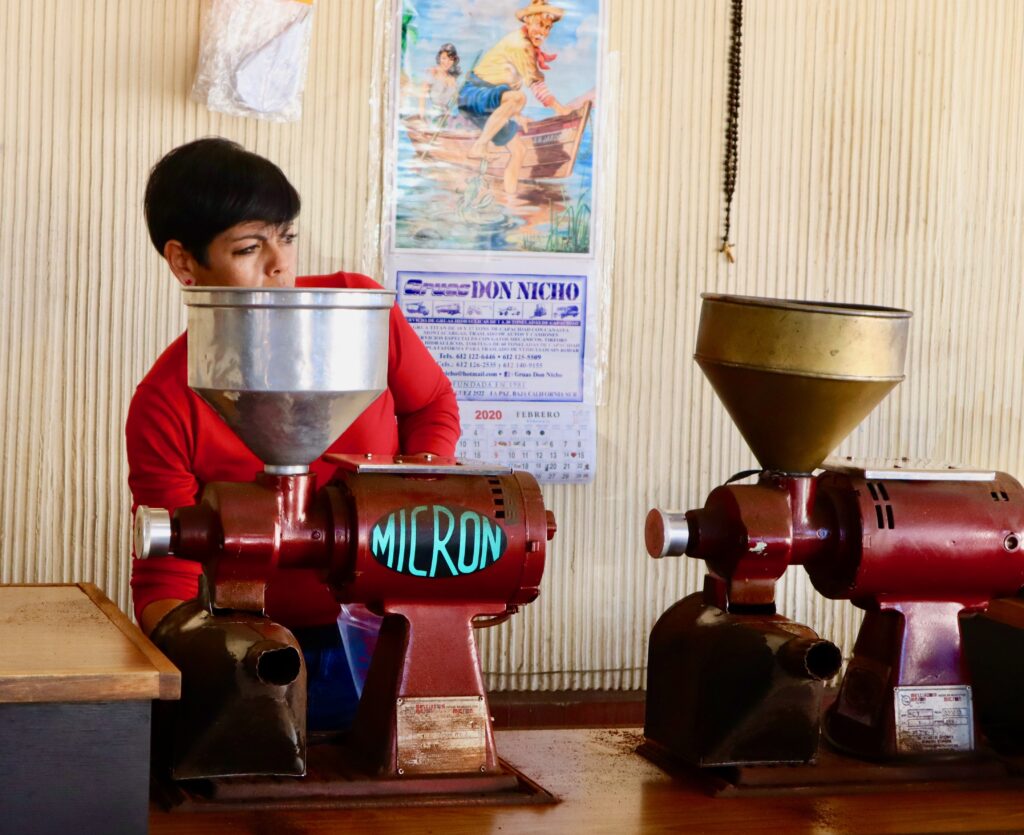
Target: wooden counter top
x: 70, y: 643
x: 606, y: 788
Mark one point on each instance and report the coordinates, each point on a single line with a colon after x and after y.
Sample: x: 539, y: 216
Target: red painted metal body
x: 463, y: 550
x: 242, y: 532
x: 750, y: 533
x: 914, y: 553
x: 917, y: 555
x: 923, y: 540
x: 513, y: 502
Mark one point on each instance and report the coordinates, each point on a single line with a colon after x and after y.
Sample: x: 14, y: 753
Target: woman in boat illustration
x: 493, y: 97
x: 441, y: 89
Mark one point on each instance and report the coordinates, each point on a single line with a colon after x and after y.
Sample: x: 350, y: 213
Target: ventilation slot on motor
x: 883, y: 512
x: 498, y: 497
x: 1000, y: 496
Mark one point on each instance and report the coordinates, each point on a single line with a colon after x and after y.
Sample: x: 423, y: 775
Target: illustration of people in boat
x: 491, y: 157
x: 493, y: 96
x: 440, y: 92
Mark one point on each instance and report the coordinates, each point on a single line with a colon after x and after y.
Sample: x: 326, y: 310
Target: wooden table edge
x: 168, y: 676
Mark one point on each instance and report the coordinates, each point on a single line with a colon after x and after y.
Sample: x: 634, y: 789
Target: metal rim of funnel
x: 821, y: 340
x: 312, y: 297
x: 835, y: 308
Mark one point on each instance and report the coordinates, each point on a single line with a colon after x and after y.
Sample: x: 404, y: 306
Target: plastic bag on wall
x: 253, y: 56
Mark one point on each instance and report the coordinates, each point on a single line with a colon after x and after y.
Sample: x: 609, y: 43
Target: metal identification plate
x: 934, y: 719
x: 442, y: 735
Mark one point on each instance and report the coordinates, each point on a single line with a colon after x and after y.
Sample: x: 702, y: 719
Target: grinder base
x: 833, y: 773
x: 726, y: 688
x: 334, y: 779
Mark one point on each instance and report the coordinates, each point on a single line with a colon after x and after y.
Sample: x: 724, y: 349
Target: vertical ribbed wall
x: 93, y: 94
x: 880, y: 162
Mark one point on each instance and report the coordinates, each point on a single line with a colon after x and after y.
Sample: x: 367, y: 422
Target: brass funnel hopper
x: 288, y: 369
x: 797, y: 377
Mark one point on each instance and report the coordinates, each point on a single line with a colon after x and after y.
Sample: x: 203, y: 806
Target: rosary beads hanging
x: 732, y: 121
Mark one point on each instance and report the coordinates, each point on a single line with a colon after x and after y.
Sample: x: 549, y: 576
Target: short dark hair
x: 204, y: 187
x: 450, y: 50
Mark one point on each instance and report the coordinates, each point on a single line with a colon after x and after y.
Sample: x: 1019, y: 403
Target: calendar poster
x: 555, y: 442
x: 516, y: 350
x: 496, y: 147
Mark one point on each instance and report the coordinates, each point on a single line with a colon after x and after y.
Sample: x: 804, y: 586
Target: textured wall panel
x: 880, y: 162
x: 93, y: 94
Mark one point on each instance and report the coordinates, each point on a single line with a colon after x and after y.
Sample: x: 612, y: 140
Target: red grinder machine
x: 730, y: 681
x: 436, y: 546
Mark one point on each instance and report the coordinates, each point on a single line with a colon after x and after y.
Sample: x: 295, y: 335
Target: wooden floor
x: 606, y: 788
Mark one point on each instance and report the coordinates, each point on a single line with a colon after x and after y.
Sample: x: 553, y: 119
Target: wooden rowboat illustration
x: 554, y: 145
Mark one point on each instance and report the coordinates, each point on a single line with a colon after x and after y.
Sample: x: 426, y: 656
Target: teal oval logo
x: 435, y: 540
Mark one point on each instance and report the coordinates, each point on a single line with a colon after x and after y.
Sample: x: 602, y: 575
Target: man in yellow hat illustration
x: 493, y: 95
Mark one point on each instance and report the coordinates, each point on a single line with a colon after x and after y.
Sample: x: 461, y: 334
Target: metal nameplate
x: 934, y: 719
x: 442, y: 735
x: 397, y: 465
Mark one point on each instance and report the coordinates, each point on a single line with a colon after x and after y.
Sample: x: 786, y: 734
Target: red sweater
x: 177, y: 444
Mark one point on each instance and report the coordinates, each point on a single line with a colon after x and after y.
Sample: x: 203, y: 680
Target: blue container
x: 359, y: 627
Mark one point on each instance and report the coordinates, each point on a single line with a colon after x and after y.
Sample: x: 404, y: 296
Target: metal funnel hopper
x: 288, y: 369
x: 797, y: 377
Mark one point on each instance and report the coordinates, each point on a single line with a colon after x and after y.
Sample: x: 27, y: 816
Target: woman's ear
x: 182, y: 263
